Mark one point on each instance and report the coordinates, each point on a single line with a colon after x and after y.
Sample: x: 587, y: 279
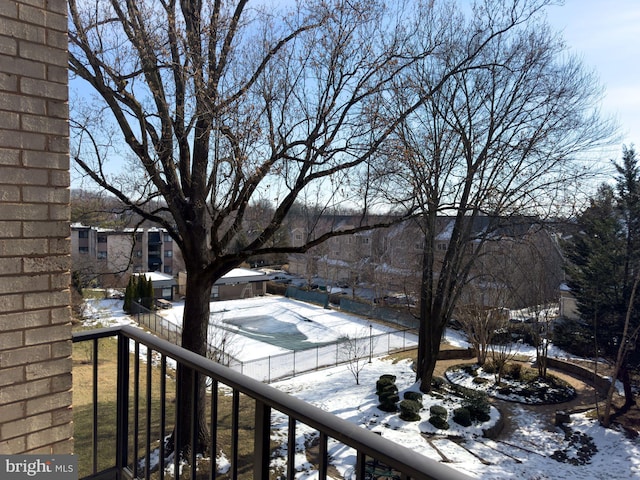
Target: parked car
x: 162, y: 303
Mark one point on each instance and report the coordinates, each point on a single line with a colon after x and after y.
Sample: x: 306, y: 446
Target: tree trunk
x: 620, y: 368
x: 629, y: 400
x: 195, y: 324
x: 430, y: 351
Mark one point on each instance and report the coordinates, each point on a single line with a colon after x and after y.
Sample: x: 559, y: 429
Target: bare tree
x: 503, y: 352
x: 496, y: 141
x: 628, y: 341
x: 218, y: 104
x: 222, y: 345
x: 481, y: 317
x: 530, y: 266
x: 357, y: 350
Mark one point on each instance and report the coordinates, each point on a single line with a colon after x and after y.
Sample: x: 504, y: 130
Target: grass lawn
x: 106, y: 413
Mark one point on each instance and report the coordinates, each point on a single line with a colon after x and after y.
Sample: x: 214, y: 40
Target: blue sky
x: 606, y: 35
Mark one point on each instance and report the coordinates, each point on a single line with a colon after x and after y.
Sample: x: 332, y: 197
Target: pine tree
x: 596, y: 265
x: 140, y: 290
x: 149, y: 294
x: 604, y: 266
x: 128, y: 295
x: 628, y: 195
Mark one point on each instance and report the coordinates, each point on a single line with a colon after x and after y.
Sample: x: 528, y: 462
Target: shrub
x: 470, y: 370
x: 389, y: 404
x: 574, y: 337
x: 514, y: 371
x: 438, y: 382
x: 438, y: 411
x: 388, y: 401
x: 480, y: 380
x: 385, y: 389
x: 462, y: 416
x: 387, y: 393
x: 417, y: 396
x: 478, y: 405
x: 409, y: 410
x: 384, y: 382
x: 489, y: 367
x: 439, y: 422
x: 504, y: 390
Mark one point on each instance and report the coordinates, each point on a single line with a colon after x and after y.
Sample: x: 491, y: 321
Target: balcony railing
x: 142, y: 401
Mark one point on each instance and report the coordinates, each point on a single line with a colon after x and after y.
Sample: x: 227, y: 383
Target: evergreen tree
x: 604, y: 265
x: 596, y: 266
x: 149, y: 294
x: 628, y: 189
x: 628, y: 195
x: 128, y: 295
x: 141, y: 290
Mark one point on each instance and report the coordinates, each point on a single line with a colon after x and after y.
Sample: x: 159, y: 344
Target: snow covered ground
x: 526, y: 454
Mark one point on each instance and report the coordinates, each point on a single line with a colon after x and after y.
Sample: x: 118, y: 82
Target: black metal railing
x: 241, y: 415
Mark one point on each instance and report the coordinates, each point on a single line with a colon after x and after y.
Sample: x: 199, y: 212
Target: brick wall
x: 35, y: 330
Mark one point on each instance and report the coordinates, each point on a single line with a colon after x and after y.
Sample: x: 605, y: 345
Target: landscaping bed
x: 517, y: 383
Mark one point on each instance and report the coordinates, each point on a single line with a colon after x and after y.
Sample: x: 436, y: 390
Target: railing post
x: 262, y: 453
x: 122, y: 410
x: 94, y: 438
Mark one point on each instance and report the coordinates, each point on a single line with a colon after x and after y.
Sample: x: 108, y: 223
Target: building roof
x: 242, y: 275
x: 157, y: 276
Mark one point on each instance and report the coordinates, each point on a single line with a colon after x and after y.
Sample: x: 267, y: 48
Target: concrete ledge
x: 601, y: 384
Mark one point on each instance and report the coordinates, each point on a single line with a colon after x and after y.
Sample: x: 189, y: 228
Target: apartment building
x: 519, y: 256
x: 107, y: 257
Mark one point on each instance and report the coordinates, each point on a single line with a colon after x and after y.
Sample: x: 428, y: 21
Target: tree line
x: 603, y: 273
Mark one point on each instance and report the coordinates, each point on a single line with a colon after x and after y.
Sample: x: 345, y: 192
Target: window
x: 83, y: 234
x: 167, y: 237
x: 102, y: 255
x: 153, y: 238
x: 168, y: 269
x: 83, y: 249
x: 138, y: 253
x: 102, y: 239
x: 168, y: 253
x: 298, y: 236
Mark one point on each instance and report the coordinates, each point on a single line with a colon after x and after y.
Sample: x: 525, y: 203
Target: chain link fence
x: 290, y: 364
